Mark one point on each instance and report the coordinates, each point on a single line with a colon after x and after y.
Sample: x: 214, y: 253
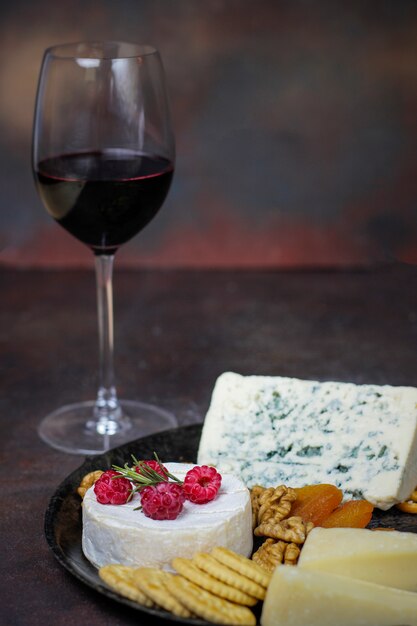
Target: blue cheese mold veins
x: 272, y: 430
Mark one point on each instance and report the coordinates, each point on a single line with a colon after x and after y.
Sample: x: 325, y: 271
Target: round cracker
x: 153, y: 583
x: 242, y: 565
x: 120, y: 578
x: 189, y: 570
x: 208, y: 606
x: 229, y: 576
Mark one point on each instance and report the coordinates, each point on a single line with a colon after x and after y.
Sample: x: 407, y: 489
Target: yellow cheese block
x: 387, y: 558
x: 301, y: 597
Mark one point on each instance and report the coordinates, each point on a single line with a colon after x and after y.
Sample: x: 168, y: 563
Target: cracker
x: 189, y: 570
x: 226, y: 575
x: 208, y: 606
x: 153, y: 583
x: 407, y: 507
x: 242, y: 565
x: 120, y: 579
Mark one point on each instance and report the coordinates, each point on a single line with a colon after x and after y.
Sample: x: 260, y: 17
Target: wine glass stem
x: 107, y: 408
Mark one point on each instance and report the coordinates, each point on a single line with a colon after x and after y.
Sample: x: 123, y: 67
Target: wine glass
x: 103, y: 161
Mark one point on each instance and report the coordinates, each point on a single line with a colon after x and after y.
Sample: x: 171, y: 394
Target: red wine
x: 104, y: 198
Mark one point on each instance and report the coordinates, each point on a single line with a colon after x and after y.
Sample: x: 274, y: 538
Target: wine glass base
x: 74, y: 429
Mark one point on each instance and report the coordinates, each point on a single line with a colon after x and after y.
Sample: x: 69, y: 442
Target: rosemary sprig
x: 147, y: 476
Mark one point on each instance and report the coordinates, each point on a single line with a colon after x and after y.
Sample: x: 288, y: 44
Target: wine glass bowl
x: 103, y: 161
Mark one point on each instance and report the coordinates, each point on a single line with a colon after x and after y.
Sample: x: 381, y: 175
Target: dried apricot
x: 351, y: 514
x: 314, y: 503
x: 309, y: 491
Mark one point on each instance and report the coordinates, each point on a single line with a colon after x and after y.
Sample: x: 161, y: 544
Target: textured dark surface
x: 175, y: 333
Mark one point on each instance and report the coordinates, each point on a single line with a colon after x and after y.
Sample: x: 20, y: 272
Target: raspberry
x: 162, y: 501
x: 157, y: 467
x: 201, y: 484
x: 110, y: 490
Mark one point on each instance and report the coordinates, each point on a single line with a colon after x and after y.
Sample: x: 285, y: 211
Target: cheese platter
x: 63, y: 519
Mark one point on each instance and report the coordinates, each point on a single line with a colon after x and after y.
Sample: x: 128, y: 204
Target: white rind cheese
x: 272, y: 430
x: 119, y: 534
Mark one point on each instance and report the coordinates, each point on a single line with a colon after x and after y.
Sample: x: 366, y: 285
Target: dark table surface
x: 176, y: 331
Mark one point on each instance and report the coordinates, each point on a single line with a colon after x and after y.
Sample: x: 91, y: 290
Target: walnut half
x: 273, y: 553
x: 87, y: 482
x: 292, y: 530
x: 271, y: 505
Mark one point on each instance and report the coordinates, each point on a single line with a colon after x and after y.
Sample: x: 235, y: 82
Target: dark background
x: 295, y: 123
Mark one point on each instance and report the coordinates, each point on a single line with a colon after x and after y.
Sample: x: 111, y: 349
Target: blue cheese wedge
x: 273, y: 430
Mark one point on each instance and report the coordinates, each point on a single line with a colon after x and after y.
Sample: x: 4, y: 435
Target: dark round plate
x: 63, y: 524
